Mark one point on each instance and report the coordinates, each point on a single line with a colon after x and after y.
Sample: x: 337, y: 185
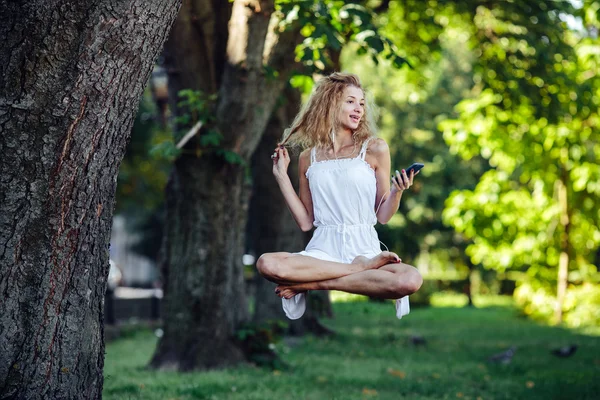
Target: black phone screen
x: 415, y: 166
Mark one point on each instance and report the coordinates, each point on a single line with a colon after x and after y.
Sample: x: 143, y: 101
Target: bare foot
x: 383, y: 258
x: 287, y: 292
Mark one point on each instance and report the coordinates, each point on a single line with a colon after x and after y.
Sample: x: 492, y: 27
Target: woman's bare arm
x: 388, y: 197
x: 300, y: 206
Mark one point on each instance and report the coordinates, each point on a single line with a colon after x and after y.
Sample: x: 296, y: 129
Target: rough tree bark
x: 71, y: 76
x: 217, y: 47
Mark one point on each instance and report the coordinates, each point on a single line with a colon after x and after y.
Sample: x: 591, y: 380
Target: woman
x: 344, y: 174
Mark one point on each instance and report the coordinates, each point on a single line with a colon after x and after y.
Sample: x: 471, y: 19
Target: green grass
x: 371, y: 357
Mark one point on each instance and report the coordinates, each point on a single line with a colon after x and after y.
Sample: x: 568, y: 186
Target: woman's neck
x: 343, y: 138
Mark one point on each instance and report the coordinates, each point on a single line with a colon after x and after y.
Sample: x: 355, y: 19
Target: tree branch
x: 247, y: 32
x: 282, y: 55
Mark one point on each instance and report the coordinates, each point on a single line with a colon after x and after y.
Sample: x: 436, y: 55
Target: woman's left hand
x: 401, y: 181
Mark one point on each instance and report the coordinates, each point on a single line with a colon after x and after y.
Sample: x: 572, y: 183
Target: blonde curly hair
x: 316, y: 120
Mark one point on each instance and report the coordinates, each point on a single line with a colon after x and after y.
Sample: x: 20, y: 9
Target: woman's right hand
x: 281, y: 161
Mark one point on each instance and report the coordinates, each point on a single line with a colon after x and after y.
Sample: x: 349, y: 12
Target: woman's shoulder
x: 377, y: 146
x: 304, y: 158
x: 305, y: 154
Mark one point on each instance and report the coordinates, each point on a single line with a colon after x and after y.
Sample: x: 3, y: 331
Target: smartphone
x: 416, y: 167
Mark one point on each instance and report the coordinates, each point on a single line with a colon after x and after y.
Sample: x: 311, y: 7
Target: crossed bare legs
x: 383, y: 276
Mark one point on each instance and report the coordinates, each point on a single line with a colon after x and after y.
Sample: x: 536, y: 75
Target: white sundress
x: 343, y: 193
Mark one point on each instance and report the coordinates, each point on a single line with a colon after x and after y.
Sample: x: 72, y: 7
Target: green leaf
x: 362, y: 36
x: 211, y: 138
x: 183, y: 119
x: 375, y: 43
x: 165, y: 150
x: 356, y: 10
x: 399, y: 62
x: 231, y: 157
x: 302, y: 82
x: 332, y: 39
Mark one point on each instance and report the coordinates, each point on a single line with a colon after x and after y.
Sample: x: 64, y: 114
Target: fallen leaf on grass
x: 530, y: 384
x: 357, y: 330
x: 436, y: 376
x: 276, y: 372
x: 397, y: 373
x: 321, y: 379
x: 369, y: 392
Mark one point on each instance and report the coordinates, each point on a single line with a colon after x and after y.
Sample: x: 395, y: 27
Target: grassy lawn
x: 371, y: 357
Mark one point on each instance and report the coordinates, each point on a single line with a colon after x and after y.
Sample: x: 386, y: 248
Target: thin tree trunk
x: 563, y: 261
x: 469, y: 283
x: 71, y: 76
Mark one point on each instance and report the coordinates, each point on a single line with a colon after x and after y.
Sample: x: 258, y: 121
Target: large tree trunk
x: 205, y: 297
x: 71, y: 76
x: 204, y: 292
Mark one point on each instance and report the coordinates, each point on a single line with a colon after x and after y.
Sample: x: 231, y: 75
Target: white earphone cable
x: 377, y: 210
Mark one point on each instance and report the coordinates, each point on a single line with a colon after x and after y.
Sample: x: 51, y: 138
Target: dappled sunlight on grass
x: 589, y: 331
x: 343, y: 297
x: 453, y: 299
x: 493, y: 301
x: 448, y: 299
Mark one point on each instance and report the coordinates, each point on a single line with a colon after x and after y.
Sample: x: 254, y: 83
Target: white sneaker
x: 402, y: 307
x: 294, y: 308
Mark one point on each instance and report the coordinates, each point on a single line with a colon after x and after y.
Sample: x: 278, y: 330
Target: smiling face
x: 352, y: 108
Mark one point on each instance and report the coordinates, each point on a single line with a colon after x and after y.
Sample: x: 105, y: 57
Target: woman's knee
x: 269, y: 265
x: 264, y: 264
x: 408, y: 282
x: 414, y: 280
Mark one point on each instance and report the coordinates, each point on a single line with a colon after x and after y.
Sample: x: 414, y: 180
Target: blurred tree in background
x: 533, y: 114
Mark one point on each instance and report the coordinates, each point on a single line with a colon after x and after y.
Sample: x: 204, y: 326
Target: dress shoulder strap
x: 313, y: 156
x: 363, y: 150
